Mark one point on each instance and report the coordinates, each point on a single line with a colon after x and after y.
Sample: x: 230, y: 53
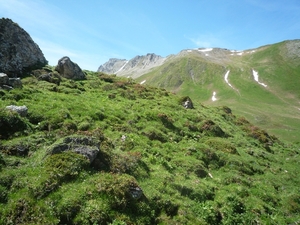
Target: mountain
x: 105, y: 149
x: 108, y: 150
x: 134, y: 67
x: 261, y: 84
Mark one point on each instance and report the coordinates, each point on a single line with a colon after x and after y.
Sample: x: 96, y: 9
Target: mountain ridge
x: 134, y: 67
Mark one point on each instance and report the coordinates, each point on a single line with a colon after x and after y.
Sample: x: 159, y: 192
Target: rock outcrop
x: 112, y: 66
x: 18, y: 52
x: 86, y: 146
x: 68, y: 69
x: 8, y: 83
x: 187, y: 103
x: 52, y: 77
x: 21, y: 110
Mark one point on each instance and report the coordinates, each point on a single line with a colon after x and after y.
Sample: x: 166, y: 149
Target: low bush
x: 11, y: 123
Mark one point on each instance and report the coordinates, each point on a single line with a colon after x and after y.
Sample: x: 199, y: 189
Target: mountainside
x: 260, y: 84
x: 82, y: 147
x: 107, y: 150
x: 134, y: 67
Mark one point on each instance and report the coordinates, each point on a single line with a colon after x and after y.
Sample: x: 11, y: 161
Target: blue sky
x: 92, y: 31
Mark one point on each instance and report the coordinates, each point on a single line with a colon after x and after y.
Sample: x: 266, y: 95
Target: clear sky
x: 92, y: 31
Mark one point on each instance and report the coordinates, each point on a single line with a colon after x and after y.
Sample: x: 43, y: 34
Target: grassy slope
x: 195, y: 166
x: 275, y: 108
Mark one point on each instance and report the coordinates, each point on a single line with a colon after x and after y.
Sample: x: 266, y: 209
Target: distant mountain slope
x: 261, y: 84
x: 134, y: 67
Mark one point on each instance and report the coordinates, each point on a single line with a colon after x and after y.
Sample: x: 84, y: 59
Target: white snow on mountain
x: 226, y: 79
x: 255, y: 75
x: 205, y: 50
x: 213, y: 98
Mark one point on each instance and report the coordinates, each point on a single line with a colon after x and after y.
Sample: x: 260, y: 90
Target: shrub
x: 107, y: 78
x: 209, y: 128
x: 126, y: 162
x: 2, y: 162
x: 221, y: 145
x: 58, y: 168
x: 3, y: 194
x: 11, y: 123
x: 85, y: 125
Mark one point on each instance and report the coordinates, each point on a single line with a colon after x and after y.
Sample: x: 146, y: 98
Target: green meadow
x: 205, y: 165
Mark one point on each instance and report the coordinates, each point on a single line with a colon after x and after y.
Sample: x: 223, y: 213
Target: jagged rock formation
x: 69, y: 69
x: 133, y: 67
x: 18, y: 52
x: 112, y: 66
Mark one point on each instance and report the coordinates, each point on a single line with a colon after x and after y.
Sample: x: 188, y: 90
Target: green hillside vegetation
x: 275, y: 108
x: 194, y: 166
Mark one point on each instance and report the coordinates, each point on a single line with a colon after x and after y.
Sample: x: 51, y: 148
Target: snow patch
x: 206, y: 54
x: 205, y: 50
x: 237, y: 52
x: 213, y: 98
x: 226, y: 79
x: 255, y: 75
x: 189, y: 50
x: 230, y: 85
x: 143, y: 82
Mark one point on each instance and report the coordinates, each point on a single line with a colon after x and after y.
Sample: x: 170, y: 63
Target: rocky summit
x: 18, y: 52
x: 133, y: 67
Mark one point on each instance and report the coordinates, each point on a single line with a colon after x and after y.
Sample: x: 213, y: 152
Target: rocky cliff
x: 18, y: 52
x: 134, y: 67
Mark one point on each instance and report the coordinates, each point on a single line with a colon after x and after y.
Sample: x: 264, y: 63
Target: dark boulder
x: 19, y: 54
x: 69, y: 69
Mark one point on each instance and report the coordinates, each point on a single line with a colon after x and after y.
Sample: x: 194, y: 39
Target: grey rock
x: 89, y: 152
x: 19, y: 54
x: 136, y: 192
x: 6, y: 87
x: 3, y: 78
x: 86, y: 146
x: 15, y: 82
x: 187, y: 103
x: 7, y: 83
x: 21, y: 110
x: 68, y: 69
x: 292, y: 51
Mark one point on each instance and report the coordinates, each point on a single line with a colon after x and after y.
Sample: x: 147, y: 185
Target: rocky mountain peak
x: 18, y: 52
x: 133, y: 67
x: 112, y: 65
